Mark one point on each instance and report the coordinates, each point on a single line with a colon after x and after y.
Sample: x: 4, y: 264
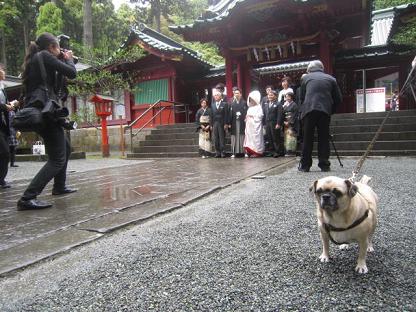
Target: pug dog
x: 346, y: 212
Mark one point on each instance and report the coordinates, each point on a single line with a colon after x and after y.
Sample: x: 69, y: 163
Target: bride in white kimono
x: 254, y: 141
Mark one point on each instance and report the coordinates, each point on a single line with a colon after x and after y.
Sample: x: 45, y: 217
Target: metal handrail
x: 159, y: 102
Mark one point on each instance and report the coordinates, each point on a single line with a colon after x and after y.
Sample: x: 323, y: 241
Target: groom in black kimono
x: 219, y: 110
x: 272, y: 121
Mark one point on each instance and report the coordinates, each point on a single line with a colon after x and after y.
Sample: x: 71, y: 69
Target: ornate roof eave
x: 160, y: 45
x: 369, y: 52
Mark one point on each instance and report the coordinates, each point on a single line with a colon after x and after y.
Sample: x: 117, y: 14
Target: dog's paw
x: 361, y: 269
x: 344, y: 246
x: 324, y: 258
x: 370, y: 249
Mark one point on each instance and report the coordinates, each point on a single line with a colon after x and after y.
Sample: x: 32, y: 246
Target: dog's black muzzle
x: 329, y: 201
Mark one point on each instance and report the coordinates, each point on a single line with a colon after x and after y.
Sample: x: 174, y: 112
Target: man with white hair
x: 320, y: 96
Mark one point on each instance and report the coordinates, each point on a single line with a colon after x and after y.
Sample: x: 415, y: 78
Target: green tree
x: 7, y: 12
x: 49, y: 19
x: 383, y: 4
x: 161, y: 8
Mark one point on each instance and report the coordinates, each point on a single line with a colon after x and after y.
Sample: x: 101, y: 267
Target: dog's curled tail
x: 365, y: 179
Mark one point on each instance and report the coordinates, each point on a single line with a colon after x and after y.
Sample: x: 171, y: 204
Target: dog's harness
x: 328, y: 227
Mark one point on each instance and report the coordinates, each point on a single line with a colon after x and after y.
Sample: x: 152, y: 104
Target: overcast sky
x: 117, y: 3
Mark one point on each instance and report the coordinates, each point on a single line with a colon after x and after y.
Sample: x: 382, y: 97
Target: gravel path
x: 250, y: 247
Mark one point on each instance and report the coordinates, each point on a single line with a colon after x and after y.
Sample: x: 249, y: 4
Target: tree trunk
x: 156, y: 12
x: 54, y: 2
x: 3, y: 49
x: 25, y: 35
x: 87, y: 36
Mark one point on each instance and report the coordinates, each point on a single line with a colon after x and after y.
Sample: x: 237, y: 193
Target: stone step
x: 173, y: 130
x: 372, y: 153
x: 166, y: 149
x: 175, y: 126
x: 182, y: 142
x: 373, y: 121
x: 162, y: 155
x: 174, y: 136
x: 379, y: 145
x: 368, y: 136
x: 373, y: 128
x: 375, y: 114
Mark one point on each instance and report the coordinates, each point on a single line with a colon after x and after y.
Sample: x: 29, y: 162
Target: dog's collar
x: 328, y: 227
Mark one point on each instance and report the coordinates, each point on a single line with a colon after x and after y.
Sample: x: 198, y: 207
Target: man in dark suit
x: 272, y: 120
x: 219, y: 109
x: 5, y: 107
x: 320, y: 96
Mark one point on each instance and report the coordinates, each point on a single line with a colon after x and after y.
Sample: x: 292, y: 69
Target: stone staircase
x: 180, y: 140
x: 352, y: 134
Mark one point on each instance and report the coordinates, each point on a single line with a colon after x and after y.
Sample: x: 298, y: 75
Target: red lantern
x: 103, y: 109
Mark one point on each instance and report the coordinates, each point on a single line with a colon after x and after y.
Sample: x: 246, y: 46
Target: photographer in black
x: 56, y: 62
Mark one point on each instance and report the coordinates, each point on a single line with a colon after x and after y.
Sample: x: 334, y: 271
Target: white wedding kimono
x: 254, y: 141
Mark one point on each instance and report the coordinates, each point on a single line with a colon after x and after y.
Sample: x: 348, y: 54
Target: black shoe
x: 301, y: 169
x: 14, y: 165
x: 325, y: 169
x: 64, y: 191
x: 32, y: 204
x: 275, y: 155
x: 5, y: 185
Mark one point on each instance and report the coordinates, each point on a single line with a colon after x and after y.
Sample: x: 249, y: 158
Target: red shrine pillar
x: 247, y: 78
x: 229, y: 74
x: 325, y: 54
x: 240, y: 76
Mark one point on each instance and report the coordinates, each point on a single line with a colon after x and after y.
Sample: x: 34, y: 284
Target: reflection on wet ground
x: 111, y: 190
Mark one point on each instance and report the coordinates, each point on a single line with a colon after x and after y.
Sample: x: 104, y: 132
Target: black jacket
x: 4, y: 117
x: 319, y: 92
x: 34, y: 86
x: 221, y: 114
x: 233, y: 116
x: 274, y: 113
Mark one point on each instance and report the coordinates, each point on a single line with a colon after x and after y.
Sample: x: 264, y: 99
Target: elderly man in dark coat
x: 320, y: 96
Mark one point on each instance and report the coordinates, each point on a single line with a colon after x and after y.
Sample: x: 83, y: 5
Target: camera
x: 64, y: 44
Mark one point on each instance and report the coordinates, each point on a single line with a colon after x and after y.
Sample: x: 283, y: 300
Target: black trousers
x: 58, y: 150
x: 320, y: 121
x: 4, y: 157
x: 218, y: 134
x: 12, y: 149
x: 273, y: 137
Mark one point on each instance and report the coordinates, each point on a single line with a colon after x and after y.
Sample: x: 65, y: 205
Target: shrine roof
x: 162, y: 43
x: 264, y: 70
x: 383, y: 21
x: 214, y: 13
x: 375, y: 51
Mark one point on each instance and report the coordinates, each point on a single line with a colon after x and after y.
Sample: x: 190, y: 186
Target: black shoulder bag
x: 33, y: 118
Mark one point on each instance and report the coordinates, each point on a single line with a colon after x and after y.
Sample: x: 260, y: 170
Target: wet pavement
x: 110, y: 198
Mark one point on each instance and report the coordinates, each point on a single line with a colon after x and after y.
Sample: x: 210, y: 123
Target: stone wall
x: 89, y: 139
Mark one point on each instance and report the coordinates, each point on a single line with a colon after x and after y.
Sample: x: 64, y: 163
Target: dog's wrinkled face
x: 333, y: 193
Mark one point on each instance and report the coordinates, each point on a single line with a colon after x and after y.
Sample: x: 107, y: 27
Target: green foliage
x: 406, y: 34
x: 100, y: 81
x: 49, y: 19
x: 383, y: 4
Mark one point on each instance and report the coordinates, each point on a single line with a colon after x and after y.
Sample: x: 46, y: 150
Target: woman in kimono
x: 291, y: 126
x: 237, y: 116
x: 203, y: 120
x: 254, y: 141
